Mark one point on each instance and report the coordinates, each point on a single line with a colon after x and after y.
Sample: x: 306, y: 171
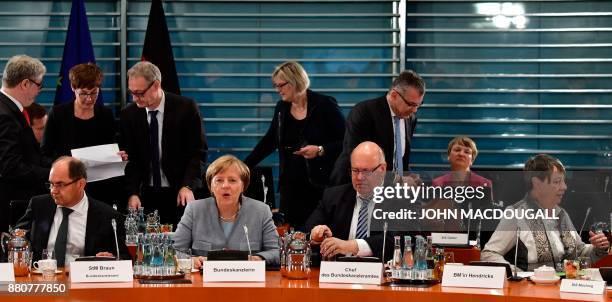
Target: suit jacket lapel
x: 348, y: 201
x: 92, y: 225
x: 169, y: 118
x: 386, y: 130
x: 47, y: 216
x: 16, y: 113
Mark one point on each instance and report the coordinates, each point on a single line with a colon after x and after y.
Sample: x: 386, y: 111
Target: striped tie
x: 362, y: 221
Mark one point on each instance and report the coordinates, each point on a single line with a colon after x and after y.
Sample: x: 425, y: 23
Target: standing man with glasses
x: 341, y: 222
x: 84, y: 123
x: 23, y: 169
x: 69, y: 222
x: 164, y: 137
x: 389, y: 121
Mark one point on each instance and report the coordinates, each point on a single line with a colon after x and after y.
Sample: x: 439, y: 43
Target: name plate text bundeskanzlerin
x: 234, y: 271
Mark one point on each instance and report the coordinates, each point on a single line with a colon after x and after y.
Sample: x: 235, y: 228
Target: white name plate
x: 474, y: 276
x: 583, y: 286
x: 350, y: 272
x: 449, y: 238
x: 6, y: 272
x: 101, y: 271
x: 234, y: 271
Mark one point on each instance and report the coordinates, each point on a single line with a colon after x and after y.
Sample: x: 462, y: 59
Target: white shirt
x: 402, y: 131
x: 364, y: 247
x: 77, y: 224
x: 17, y: 103
x: 160, y: 122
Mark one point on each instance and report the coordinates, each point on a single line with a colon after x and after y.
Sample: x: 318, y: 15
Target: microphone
x: 478, y: 233
x: 586, y: 216
x: 469, y: 222
x: 265, y: 190
x: 246, y: 234
x: 383, y: 246
x: 515, y: 277
x: 114, y: 224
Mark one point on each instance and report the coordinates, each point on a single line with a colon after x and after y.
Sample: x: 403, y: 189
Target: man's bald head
x: 367, y: 167
x: 369, y: 149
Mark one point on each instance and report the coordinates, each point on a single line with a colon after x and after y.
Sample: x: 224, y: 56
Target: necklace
x: 231, y: 218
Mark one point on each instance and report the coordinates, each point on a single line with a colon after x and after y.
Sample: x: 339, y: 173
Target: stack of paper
x: 102, y: 161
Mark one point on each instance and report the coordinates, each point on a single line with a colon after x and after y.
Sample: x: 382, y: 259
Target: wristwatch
x: 321, y: 151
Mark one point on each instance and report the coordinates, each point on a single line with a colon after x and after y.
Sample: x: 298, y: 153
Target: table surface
x: 277, y: 288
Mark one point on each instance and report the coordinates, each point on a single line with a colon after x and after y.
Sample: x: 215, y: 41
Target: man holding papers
x: 162, y: 132
x: 68, y: 221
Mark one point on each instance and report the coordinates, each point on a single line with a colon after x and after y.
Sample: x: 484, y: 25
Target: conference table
x: 277, y: 288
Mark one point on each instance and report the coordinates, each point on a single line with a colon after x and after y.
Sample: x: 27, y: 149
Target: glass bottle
x: 420, y: 262
x: 142, y: 224
x: 396, y: 264
x: 439, y: 264
x: 407, y: 258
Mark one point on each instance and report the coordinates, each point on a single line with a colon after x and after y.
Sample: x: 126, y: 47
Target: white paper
x: 474, y: 276
x: 350, y: 272
x: 234, y: 271
x: 101, y: 271
x: 583, y: 286
x: 6, y: 272
x: 525, y: 274
x: 102, y: 161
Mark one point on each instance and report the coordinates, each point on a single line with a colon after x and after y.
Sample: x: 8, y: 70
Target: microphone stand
x: 246, y: 233
x: 515, y: 277
x: 586, y: 216
x: 114, y: 224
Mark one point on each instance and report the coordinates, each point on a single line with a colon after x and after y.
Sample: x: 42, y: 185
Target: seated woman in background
x: 217, y: 222
x: 462, y: 153
x: 543, y: 241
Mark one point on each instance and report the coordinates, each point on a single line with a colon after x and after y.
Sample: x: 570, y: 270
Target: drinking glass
x: 183, y: 257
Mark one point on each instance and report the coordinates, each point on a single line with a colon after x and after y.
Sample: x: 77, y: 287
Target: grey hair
x: 409, y: 78
x: 21, y: 67
x: 147, y: 70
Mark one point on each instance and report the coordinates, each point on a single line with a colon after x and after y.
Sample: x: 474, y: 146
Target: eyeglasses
x: 59, y: 185
x: 410, y: 104
x: 141, y: 94
x: 365, y: 172
x: 279, y: 86
x: 92, y: 95
x: 39, y: 85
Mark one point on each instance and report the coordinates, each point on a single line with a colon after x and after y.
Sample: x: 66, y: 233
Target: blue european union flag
x: 77, y: 49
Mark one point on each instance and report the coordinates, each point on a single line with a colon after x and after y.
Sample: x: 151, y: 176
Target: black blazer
x: 370, y: 121
x: 336, y: 211
x: 59, y: 137
x: 99, y: 235
x: 324, y: 127
x: 23, y: 169
x: 184, y: 147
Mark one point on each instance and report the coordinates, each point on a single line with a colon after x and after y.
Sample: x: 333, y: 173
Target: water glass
x: 183, y: 257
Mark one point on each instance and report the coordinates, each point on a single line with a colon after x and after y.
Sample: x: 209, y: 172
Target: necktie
x: 362, y: 221
x: 399, y: 165
x: 62, y: 237
x: 154, y: 145
x: 26, y: 115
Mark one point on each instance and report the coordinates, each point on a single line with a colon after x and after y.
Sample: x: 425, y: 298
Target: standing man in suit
x: 67, y: 221
x: 379, y: 120
x: 341, y: 222
x: 163, y: 135
x: 23, y: 170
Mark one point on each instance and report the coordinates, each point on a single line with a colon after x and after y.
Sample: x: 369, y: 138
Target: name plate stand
x: 350, y: 272
x: 101, y: 271
x: 474, y: 276
x: 234, y: 271
x: 583, y: 286
x: 449, y: 238
x: 6, y: 272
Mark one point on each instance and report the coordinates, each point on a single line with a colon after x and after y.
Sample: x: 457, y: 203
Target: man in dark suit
x: 67, y: 221
x: 163, y: 135
x: 23, y: 170
x: 341, y: 222
x: 378, y: 119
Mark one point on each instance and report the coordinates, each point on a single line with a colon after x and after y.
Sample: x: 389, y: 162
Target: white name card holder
x: 350, y: 272
x: 6, y: 272
x: 101, y: 271
x: 234, y: 271
x: 449, y: 239
x: 474, y: 276
x: 583, y: 286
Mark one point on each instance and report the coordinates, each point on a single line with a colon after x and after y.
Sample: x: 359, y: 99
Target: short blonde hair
x: 293, y: 73
x: 225, y: 162
x: 465, y: 142
x: 21, y: 67
x: 147, y: 70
